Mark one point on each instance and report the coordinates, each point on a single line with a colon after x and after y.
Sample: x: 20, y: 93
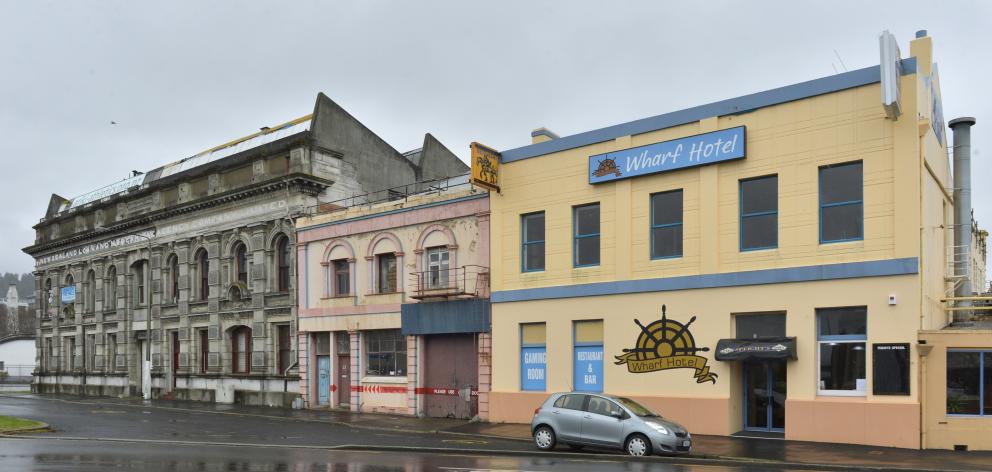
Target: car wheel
x: 638, y: 445
x: 544, y: 438
x: 576, y: 447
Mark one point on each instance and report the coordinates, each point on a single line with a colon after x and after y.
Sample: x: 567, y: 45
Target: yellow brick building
x: 771, y: 274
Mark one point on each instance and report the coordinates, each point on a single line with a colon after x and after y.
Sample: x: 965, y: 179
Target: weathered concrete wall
x: 437, y: 161
x: 377, y: 165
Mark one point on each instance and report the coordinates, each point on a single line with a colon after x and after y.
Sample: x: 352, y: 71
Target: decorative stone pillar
x: 355, y: 338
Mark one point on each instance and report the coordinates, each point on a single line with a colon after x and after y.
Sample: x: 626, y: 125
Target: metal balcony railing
x: 468, y: 281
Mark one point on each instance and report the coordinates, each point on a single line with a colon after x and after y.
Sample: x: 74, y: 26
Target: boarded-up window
x: 285, y: 349
x: 241, y: 350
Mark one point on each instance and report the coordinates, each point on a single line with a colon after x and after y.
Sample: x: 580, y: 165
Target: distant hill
x: 24, y: 283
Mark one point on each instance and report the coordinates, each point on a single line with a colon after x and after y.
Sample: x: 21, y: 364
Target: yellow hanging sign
x: 485, y: 166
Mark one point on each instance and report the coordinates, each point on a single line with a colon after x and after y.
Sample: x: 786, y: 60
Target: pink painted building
x: 394, y: 303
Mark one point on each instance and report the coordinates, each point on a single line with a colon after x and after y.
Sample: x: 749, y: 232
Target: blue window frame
x: 666, y: 224
x: 842, y: 202
x: 532, y: 242
x: 585, y: 235
x: 587, y: 356
x: 969, y: 382
x: 759, y: 213
x: 842, y: 335
x: 533, y: 357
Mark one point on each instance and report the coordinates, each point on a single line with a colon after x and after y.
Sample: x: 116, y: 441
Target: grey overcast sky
x: 180, y: 77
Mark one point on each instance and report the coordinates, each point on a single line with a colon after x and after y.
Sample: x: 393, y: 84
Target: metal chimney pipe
x: 962, y: 206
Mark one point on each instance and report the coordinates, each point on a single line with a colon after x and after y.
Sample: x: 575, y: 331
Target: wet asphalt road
x: 90, y: 434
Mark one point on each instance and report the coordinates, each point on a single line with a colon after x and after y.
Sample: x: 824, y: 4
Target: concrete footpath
x: 744, y: 451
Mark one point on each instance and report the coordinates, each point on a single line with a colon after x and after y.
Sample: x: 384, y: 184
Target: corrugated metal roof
x: 265, y: 136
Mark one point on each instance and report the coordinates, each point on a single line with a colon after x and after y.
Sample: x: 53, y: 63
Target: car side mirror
x: 617, y: 414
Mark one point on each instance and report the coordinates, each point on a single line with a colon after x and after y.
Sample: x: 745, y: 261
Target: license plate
x: 686, y: 443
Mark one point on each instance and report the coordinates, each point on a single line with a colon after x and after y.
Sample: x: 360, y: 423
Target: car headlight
x: 657, y: 427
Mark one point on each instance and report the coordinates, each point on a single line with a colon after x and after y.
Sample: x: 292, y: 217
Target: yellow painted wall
x: 940, y: 430
x: 714, y: 309
x: 792, y: 140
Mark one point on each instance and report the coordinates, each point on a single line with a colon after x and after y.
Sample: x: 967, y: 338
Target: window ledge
x: 384, y: 379
x: 842, y: 393
x: 341, y: 297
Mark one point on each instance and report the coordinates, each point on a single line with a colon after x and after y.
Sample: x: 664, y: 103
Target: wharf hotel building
x: 792, y: 276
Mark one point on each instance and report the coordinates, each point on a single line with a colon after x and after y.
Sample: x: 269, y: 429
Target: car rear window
x: 571, y: 402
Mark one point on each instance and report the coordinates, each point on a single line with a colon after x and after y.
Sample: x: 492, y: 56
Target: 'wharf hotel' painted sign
x: 691, y: 151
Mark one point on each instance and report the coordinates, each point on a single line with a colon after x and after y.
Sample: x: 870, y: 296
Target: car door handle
x: 555, y: 412
x: 587, y: 417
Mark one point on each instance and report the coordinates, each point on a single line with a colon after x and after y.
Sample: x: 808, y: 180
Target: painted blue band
x: 733, y: 106
x: 847, y: 270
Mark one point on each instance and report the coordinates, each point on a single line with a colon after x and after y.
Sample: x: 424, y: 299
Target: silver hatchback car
x: 598, y: 420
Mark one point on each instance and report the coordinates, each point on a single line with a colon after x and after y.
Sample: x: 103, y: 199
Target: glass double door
x: 764, y: 396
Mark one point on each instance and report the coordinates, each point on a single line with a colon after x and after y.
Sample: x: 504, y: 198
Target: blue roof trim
x: 847, y: 270
x: 746, y: 103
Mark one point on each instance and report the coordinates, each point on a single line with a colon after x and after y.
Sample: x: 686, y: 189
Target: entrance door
x: 451, y: 367
x: 175, y: 357
x: 764, y: 396
x: 342, y: 343
x: 323, y: 380
x: 344, y: 381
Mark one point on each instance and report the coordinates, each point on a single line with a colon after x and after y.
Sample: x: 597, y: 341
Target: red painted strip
x: 378, y: 389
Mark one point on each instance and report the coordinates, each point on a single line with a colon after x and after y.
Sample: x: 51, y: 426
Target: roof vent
x: 541, y: 135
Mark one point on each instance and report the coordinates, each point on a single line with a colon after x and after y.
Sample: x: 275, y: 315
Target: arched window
x: 203, y: 270
x: 282, y: 261
x: 138, y: 283
x: 90, y: 296
x: 173, y: 266
x: 110, y: 295
x: 69, y: 306
x: 241, y: 263
x: 241, y: 350
x: 47, y: 299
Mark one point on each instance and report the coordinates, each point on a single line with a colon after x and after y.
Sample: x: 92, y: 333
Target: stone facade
x: 197, y: 259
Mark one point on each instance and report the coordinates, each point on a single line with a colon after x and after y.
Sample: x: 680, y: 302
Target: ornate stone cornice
x: 302, y: 183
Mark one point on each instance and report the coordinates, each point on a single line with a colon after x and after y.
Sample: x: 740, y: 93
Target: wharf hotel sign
x: 691, y: 151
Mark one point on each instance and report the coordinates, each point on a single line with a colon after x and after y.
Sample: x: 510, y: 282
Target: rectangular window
x: 48, y: 354
x: 89, y: 348
x: 759, y: 213
x: 585, y: 238
x: 111, y: 352
x: 532, y: 242
x: 437, y: 267
x: 760, y: 325
x: 204, y: 349
x: 841, y: 202
x: 666, y: 224
x: 385, y: 353
x: 387, y: 272
x: 285, y: 353
x: 587, y: 358
x: 969, y: 382
x: 139, y: 277
x: 842, y: 335
x: 533, y: 357
x: 70, y: 352
x: 342, y: 278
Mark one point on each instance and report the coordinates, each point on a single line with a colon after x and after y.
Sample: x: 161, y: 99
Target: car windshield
x: 635, y: 408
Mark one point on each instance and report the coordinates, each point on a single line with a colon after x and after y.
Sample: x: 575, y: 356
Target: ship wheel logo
x: 666, y: 344
x: 606, y: 167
